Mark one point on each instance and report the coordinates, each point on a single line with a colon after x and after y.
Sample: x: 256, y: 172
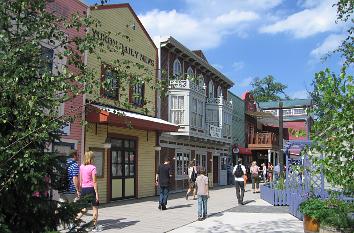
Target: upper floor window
x: 286, y: 112
x: 177, y: 109
x: 211, y: 89
x: 47, y: 57
x: 177, y: 68
x: 219, y: 91
x: 197, y: 113
x: 111, y: 87
x: 299, y: 111
x: 190, y: 72
x: 137, y: 94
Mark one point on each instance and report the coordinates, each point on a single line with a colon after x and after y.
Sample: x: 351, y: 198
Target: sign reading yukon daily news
x: 124, y: 49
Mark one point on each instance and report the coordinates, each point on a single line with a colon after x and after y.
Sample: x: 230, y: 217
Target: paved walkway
x: 224, y: 215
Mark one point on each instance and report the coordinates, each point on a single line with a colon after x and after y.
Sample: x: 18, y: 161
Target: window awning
x: 105, y: 115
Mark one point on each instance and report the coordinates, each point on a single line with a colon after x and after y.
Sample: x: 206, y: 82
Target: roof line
x: 199, y: 59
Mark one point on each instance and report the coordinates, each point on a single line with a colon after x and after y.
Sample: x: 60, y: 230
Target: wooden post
x: 281, y: 157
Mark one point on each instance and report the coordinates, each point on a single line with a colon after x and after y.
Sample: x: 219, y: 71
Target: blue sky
x: 245, y: 39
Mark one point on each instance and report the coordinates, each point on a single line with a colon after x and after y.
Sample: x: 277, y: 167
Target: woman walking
x: 270, y: 172
x: 192, y: 176
x: 89, y: 185
x: 255, y: 177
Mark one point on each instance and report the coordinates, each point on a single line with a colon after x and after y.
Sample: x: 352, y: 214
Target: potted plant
x: 313, y: 211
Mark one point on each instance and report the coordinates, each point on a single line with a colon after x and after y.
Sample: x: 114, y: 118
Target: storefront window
x: 201, y: 160
x: 182, y: 162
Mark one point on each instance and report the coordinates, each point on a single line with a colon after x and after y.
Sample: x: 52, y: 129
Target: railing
x: 219, y: 101
x: 186, y: 84
x: 263, y: 139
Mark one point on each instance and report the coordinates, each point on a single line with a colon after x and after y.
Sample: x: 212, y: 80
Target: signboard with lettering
x: 215, y: 131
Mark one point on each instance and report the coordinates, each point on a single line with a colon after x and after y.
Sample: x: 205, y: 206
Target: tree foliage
x: 267, y: 89
x: 333, y: 129
x: 30, y: 96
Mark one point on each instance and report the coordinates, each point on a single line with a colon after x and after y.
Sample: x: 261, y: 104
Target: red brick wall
x: 73, y: 107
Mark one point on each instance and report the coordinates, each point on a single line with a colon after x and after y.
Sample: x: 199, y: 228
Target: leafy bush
x: 331, y: 212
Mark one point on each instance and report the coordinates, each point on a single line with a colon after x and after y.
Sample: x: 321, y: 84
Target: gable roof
x: 125, y: 5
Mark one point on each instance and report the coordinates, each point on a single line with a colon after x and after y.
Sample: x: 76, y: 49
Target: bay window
x: 177, y: 109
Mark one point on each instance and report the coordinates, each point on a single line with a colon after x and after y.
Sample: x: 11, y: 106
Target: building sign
x: 215, y: 131
x: 124, y: 49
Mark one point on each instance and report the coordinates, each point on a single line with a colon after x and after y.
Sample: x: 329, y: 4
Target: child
x: 202, y: 193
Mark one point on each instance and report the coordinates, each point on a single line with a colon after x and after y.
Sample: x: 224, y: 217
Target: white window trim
x: 183, y: 110
x: 184, y: 173
x: 202, y: 154
x: 211, y: 89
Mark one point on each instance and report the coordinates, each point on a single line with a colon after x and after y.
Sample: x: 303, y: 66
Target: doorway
x: 123, y: 162
x: 216, y: 169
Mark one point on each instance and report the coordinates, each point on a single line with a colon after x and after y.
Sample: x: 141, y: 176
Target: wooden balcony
x: 263, y: 141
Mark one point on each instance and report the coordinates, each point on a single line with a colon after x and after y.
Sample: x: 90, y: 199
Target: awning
x: 244, y: 151
x: 105, y: 115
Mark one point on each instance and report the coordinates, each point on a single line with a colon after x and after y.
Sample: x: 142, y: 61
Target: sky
x: 245, y: 39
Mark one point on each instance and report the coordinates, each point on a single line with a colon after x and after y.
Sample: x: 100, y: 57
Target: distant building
x: 295, y: 115
x: 197, y: 102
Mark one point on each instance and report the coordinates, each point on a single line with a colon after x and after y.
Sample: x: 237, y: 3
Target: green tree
x: 30, y: 95
x: 333, y: 129
x: 267, y: 89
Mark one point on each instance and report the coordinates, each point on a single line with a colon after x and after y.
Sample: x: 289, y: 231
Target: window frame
x: 211, y: 89
x: 104, y: 68
x: 133, y: 93
x: 177, y: 68
x: 183, y: 172
x: 173, y: 110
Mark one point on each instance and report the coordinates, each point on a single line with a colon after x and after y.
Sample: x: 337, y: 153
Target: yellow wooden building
x: 124, y: 140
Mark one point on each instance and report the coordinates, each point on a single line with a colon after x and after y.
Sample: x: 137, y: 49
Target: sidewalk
x: 224, y: 215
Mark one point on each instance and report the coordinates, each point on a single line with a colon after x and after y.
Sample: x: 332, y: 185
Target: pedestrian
x: 73, y: 192
x: 245, y: 178
x: 270, y: 172
x: 203, y: 193
x: 239, y: 172
x: 255, y: 177
x: 163, y: 181
x: 264, y: 172
x: 192, y: 176
x: 89, y: 189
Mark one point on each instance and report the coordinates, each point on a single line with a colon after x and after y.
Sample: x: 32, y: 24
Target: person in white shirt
x: 239, y: 172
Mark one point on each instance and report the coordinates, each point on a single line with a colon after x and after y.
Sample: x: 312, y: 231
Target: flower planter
x: 328, y: 229
x: 310, y: 225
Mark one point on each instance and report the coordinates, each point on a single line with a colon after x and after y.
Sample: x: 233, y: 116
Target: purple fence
x: 274, y: 196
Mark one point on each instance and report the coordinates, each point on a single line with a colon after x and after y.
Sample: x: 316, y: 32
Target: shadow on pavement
x: 116, y: 223
x: 179, y: 206
x: 248, y: 201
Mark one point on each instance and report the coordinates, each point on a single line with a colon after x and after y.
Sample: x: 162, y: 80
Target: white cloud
x: 238, y: 65
x: 246, y: 82
x: 320, y: 17
x: 301, y: 94
x: 331, y: 43
x: 204, y: 24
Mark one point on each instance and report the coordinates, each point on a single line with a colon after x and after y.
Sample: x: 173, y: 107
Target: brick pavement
x: 143, y: 215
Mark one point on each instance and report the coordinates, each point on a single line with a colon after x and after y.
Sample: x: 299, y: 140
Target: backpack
x: 238, y: 172
x: 193, y: 176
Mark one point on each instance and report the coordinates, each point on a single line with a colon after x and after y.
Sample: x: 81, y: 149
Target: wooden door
x: 216, y: 169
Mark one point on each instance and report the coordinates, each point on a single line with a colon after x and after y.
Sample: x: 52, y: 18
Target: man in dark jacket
x: 163, y: 180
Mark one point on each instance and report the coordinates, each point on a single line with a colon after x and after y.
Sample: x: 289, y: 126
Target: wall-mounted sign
x: 215, y: 131
x: 124, y: 49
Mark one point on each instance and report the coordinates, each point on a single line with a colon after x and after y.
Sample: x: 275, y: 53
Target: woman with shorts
x: 89, y: 185
x: 191, y: 179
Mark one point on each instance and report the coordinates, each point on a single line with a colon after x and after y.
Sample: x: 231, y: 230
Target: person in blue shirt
x: 73, y: 177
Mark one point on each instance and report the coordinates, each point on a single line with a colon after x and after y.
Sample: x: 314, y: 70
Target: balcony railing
x: 263, y: 140
x: 220, y: 101
x: 186, y: 84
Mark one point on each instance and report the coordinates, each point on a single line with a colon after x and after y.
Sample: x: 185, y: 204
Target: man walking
x: 239, y: 172
x: 163, y: 180
x: 73, y: 177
